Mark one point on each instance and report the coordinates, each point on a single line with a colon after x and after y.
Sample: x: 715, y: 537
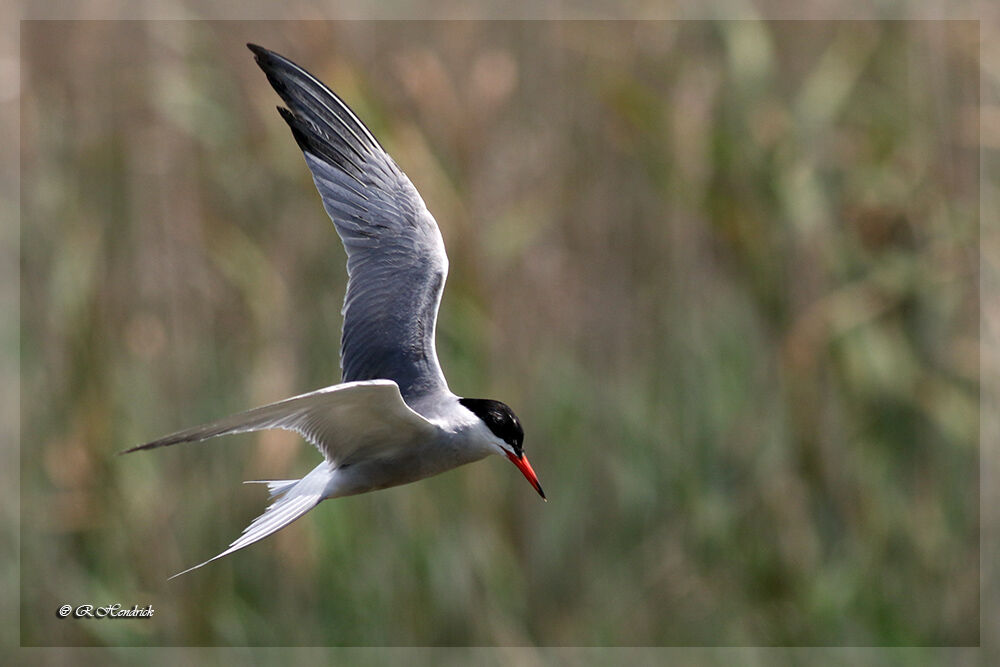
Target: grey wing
x: 396, y: 261
x: 357, y: 419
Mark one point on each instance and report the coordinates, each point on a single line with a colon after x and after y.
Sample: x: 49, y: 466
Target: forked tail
x: 294, y: 498
x: 275, y: 486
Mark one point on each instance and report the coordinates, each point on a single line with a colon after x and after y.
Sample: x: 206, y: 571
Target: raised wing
x: 356, y: 419
x: 396, y: 261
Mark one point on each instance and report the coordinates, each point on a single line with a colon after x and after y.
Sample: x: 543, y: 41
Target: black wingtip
x: 321, y: 122
x: 258, y: 51
x: 260, y: 54
x: 300, y: 137
x: 148, y: 445
x: 162, y: 442
x: 266, y: 59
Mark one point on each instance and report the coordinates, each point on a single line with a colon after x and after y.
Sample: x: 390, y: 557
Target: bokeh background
x: 726, y: 274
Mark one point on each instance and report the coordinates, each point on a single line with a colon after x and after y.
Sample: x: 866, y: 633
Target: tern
x: 392, y: 420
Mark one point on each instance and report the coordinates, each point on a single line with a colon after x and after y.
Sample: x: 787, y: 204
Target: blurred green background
x: 725, y: 273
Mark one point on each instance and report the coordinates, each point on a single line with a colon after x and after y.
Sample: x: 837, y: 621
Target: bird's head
x: 506, y: 434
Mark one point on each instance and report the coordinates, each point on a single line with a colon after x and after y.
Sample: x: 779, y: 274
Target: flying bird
x: 392, y: 420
